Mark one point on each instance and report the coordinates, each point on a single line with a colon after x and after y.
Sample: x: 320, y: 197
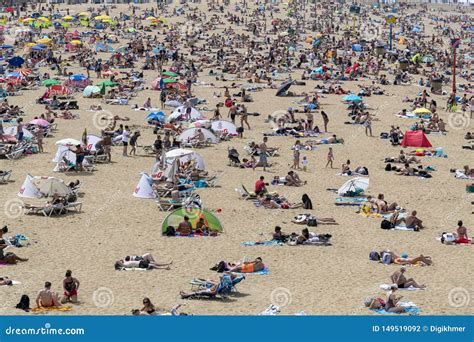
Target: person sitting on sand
x: 414, y: 222
x: 292, y: 179
x: 248, y: 267
x: 391, y: 304
x: 8, y: 257
x: 303, y: 237
x: 461, y: 234
x: 402, y: 158
x: 70, y: 286
x: 382, y: 205
x: 201, y: 227
x: 185, y: 227
x: 279, y: 236
x: 46, y: 297
x: 148, y: 308
x: 398, y: 278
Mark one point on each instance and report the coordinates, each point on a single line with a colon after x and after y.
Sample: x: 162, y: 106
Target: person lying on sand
x: 381, y: 205
x: 275, y: 202
x: 405, y: 260
x: 46, y: 297
x: 8, y: 257
x: 398, y: 278
x: 5, y: 281
x: 145, y: 261
x: 247, y: 267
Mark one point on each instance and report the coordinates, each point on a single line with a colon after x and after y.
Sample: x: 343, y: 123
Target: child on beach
x: 330, y: 158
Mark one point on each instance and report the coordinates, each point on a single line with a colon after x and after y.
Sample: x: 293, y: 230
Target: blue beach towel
x: 261, y: 243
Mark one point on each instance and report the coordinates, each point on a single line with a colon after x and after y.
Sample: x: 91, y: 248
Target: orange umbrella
x: 24, y: 71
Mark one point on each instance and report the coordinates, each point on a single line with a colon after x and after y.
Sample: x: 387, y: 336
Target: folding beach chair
x: 5, y: 176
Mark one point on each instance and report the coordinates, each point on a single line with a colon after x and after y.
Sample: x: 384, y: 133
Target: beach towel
x: 372, y: 215
x: 351, y: 199
x: 404, y: 228
x: 133, y: 269
x: 411, y: 309
x: 262, y: 243
x: 265, y: 271
x: 438, y: 238
x: 51, y: 308
x: 386, y: 287
x: 272, y: 310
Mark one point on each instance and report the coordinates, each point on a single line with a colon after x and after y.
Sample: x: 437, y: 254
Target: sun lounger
x: 76, y: 206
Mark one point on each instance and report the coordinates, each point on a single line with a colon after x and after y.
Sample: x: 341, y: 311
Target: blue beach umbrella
x: 352, y: 98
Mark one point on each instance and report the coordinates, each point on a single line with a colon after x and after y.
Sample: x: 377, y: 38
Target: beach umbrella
x: 58, y: 89
x: 352, y: 98
x: 75, y: 42
x: 13, y: 74
x: 191, y: 132
x: 13, y: 131
x: 28, y: 189
x: 16, y: 61
x: 224, y: 126
x: 9, y: 9
x: 68, y: 18
x: 83, y: 14
x: 6, y: 46
x: 155, y: 116
x: 180, y: 112
x: 356, y: 185
x: 173, y: 103
x: 169, y: 80
x: 144, y: 188
x: 39, y: 122
x: 23, y: 71
x: 151, y: 18
x: 49, y: 186
x: 284, y: 87
x: 427, y: 59
x: 90, y: 90
x: 50, y: 82
x: 199, y: 123
x: 169, y: 74
x: 44, y: 40
x: 178, y: 153
x: 78, y: 77
x: 107, y: 83
x: 175, y: 85
x: 356, y: 47
x: 28, y: 20
x: 38, y: 47
x: 194, y: 215
x: 101, y: 17
x: 422, y: 111
x: 68, y: 142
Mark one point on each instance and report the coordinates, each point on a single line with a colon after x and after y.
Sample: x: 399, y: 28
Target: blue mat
x: 260, y: 243
x: 265, y: 271
x: 410, y: 310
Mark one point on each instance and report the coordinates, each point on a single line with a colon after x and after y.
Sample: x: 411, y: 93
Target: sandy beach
x: 326, y: 280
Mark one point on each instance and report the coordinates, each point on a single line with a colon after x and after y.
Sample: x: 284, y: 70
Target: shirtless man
x: 398, y: 277
x: 46, y: 297
x: 414, y: 222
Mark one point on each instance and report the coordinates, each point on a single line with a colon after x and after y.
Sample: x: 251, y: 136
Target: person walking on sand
x: 325, y: 120
x: 133, y: 142
x: 125, y: 140
x: 368, y: 125
x: 263, y: 154
x: 330, y: 158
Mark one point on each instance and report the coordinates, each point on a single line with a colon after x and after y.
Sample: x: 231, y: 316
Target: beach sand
x: 330, y: 280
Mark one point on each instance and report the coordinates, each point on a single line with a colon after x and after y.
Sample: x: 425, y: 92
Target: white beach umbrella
x: 353, y: 185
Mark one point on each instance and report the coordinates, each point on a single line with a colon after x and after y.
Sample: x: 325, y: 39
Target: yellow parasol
x: 28, y: 20
x: 68, y: 18
x: 151, y: 18
x: 76, y: 42
x: 44, y: 41
x: 101, y: 17
x: 84, y: 14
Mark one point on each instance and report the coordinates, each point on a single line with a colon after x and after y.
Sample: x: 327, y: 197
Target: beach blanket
x: 261, y: 243
x: 351, y: 199
x: 51, y: 308
x: 410, y: 308
x: 387, y: 287
x: 265, y: 271
x: 133, y: 269
x: 193, y: 235
x: 372, y: 215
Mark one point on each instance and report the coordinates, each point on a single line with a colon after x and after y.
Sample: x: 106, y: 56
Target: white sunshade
x: 68, y: 142
x: 188, y: 134
x: 353, y: 184
x: 224, y: 126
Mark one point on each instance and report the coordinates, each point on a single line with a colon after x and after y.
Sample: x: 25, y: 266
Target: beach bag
x: 386, y: 224
x: 312, y: 222
x: 447, y: 238
x: 374, y: 256
x: 387, y: 258
x: 24, y: 303
x: 388, y: 167
x: 170, y: 231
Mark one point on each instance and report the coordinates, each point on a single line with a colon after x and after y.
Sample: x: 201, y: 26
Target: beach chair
x: 47, y: 210
x: 16, y: 153
x: 168, y: 204
x: 225, y: 288
x: 247, y: 194
x: 76, y: 206
x: 5, y: 176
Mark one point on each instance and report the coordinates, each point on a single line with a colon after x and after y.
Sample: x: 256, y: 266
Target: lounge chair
x: 225, y: 288
x: 76, y: 206
x: 47, y: 210
x: 5, y: 176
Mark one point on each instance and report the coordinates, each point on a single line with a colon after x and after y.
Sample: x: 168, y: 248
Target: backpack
x: 312, y: 222
x: 374, y: 256
x: 386, y: 224
x: 447, y: 238
x: 170, y: 231
x: 24, y: 303
x: 387, y: 258
x: 388, y: 167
